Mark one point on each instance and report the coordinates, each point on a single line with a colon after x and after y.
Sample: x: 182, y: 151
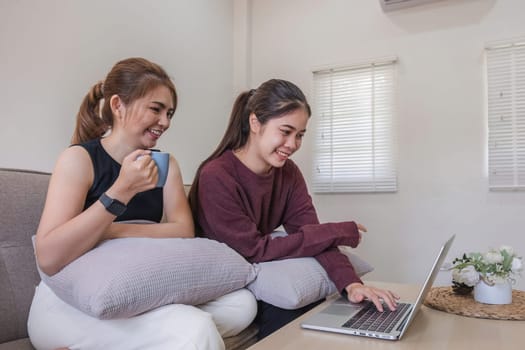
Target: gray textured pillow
x: 294, y: 283
x: 128, y: 276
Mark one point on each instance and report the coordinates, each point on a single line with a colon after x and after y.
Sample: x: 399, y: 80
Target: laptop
x: 363, y: 319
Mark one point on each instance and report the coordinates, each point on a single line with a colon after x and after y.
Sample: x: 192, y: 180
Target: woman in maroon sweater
x: 249, y: 187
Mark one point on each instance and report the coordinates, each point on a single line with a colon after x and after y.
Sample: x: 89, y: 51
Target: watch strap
x: 114, y: 206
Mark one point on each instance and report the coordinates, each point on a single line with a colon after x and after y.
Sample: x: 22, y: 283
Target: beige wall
x: 53, y: 51
x: 441, y: 118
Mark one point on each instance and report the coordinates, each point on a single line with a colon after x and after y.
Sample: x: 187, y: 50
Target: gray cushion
x: 18, y: 278
x: 293, y: 283
x: 128, y: 276
x: 20, y: 344
x: 22, y: 196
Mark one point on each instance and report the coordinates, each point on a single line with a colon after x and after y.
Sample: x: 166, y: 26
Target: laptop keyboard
x: 369, y: 319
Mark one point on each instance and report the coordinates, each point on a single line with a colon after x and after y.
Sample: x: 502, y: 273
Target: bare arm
x: 66, y: 231
x: 178, y: 220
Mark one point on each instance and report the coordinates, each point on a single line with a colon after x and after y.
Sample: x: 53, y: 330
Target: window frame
x: 366, y: 160
x: 505, y: 93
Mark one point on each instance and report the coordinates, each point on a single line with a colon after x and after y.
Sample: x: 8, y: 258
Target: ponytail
x: 235, y: 137
x: 238, y: 128
x: 129, y: 79
x: 91, y: 123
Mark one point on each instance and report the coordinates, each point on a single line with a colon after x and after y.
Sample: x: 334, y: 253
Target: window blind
x: 506, y: 116
x: 355, y: 143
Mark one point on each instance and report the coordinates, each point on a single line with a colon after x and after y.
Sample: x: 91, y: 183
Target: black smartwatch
x: 114, y: 206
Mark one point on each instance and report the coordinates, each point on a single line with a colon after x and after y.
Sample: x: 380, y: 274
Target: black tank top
x: 146, y: 205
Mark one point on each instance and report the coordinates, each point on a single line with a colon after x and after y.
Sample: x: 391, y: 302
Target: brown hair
x: 274, y: 98
x: 130, y: 79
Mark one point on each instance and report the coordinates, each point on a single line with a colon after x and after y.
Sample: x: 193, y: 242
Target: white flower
x: 495, y: 266
x: 517, y: 265
x: 493, y: 258
x: 468, y: 276
x: 507, y: 248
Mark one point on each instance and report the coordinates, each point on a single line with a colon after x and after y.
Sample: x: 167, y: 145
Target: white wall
x: 441, y: 119
x: 52, y: 52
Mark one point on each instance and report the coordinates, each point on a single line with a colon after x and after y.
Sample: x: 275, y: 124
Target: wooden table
x: 431, y: 329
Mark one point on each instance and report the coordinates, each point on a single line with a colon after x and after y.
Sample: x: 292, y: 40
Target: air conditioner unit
x: 390, y: 5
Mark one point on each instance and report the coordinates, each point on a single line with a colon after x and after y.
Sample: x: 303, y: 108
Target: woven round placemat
x: 442, y: 298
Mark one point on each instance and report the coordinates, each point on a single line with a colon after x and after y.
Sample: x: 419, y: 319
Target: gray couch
x: 22, y: 196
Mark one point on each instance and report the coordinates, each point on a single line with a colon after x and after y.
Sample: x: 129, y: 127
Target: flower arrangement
x: 495, y: 266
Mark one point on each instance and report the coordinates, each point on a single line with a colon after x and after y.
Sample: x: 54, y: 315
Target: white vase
x: 498, y: 294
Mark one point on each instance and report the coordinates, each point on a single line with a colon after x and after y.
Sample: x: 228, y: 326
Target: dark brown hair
x: 130, y: 79
x: 274, y: 98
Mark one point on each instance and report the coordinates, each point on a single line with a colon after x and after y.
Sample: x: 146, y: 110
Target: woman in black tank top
x: 108, y: 175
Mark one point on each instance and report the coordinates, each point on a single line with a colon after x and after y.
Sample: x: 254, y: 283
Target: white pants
x: 53, y: 324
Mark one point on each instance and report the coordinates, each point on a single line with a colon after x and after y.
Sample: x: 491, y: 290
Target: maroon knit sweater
x: 242, y: 209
